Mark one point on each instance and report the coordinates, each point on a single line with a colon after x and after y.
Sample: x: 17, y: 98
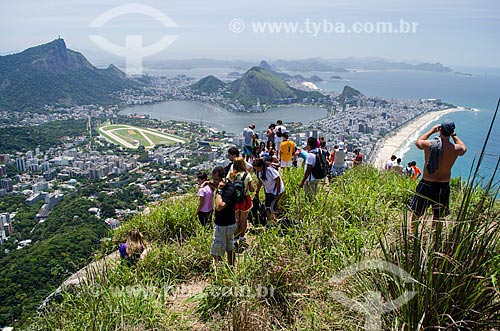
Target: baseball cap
x: 447, y: 127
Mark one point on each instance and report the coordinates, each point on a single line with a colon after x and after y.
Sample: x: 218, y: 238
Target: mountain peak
x: 53, y: 56
x: 263, y: 64
x: 52, y: 74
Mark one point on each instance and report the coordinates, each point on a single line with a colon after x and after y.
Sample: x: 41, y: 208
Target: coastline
x: 393, y: 143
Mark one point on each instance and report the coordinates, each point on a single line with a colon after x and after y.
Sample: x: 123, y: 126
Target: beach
x: 392, y: 143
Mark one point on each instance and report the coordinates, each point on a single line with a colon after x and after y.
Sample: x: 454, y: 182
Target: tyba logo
x: 134, y: 51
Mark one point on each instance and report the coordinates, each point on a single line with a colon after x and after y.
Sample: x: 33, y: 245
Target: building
x: 3, y: 170
x: 21, y: 164
x: 6, y: 184
x: 4, y: 218
x: 4, y: 158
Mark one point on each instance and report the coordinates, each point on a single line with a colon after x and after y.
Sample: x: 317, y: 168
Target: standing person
x: 242, y: 208
x: 301, y: 155
x: 272, y: 159
x: 273, y: 186
x: 390, y: 163
x: 279, y: 130
x: 416, y: 170
x: 338, y: 166
x: 134, y: 248
x: 271, y: 136
x: 309, y: 182
x: 225, y: 222
x: 255, y: 146
x: 408, y: 171
x: 262, y: 146
x: 358, y: 159
x: 206, y: 200
x: 287, y: 152
x: 248, y: 134
x: 397, y: 167
x: 233, y: 153
x: 440, y: 155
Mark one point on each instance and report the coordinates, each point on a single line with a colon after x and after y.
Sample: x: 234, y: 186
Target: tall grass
x: 295, y: 263
x: 456, y: 267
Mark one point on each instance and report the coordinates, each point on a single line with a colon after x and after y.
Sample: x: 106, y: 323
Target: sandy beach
x: 391, y: 144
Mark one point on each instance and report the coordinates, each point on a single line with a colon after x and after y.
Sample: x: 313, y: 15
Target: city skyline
x: 452, y: 33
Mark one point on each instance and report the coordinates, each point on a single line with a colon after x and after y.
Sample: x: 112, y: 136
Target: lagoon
x: 217, y: 117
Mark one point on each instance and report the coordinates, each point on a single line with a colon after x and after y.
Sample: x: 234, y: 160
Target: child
x: 206, y: 197
x: 134, y: 248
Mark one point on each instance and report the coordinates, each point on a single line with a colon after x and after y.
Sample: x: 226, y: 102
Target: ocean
x: 480, y: 91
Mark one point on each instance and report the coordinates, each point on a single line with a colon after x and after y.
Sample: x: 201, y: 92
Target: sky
x: 452, y: 32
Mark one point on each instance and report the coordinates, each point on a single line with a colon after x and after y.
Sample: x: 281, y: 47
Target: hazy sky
x: 453, y: 32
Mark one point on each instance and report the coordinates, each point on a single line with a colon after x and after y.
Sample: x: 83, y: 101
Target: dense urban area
x: 63, y: 182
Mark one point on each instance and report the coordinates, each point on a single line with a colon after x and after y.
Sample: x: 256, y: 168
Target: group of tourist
x: 268, y: 160
x: 233, y: 185
x: 411, y: 170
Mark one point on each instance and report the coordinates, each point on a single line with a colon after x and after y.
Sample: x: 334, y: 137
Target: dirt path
x: 181, y: 304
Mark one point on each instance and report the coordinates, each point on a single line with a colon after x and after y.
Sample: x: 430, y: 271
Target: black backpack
x: 239, y: 188
x: 279, y: 133
x: 320, y: 169
x: 259, y: 213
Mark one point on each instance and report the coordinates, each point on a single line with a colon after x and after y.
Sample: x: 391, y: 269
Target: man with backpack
x: 225, y: 220
x: 316, y: 167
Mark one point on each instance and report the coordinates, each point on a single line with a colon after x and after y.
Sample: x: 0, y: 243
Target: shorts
x: 247, y: 150
x: 223, y: 239
x: 431, y: 193
x: 337, y: 171
x: 271, y: 202
x: 245, y: 206
x: 311, y: 187
x: 205, y: 217
x: 286, y: 164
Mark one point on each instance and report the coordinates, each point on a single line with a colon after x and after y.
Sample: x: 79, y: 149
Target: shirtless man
x: 434, y: 188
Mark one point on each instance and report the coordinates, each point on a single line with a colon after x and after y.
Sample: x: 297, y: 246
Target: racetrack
x: 132, y: 137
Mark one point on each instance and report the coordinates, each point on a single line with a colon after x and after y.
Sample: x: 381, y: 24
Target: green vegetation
x: 209, y: 84
x: 51, y: 74
x: 358, y: 217
x: 260, y: 83
x: 61, y: 245
x: 45, y: 136
x: 23, y: 223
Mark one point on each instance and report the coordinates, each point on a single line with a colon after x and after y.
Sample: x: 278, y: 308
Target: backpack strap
x: 315, y: 153
x: 243, y: 181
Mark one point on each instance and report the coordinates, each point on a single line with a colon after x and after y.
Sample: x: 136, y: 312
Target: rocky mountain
x: 267, y: 87
x: 209, y: 84
x: 340, y: 65
x: 52, y: 74
x: 348, y: 94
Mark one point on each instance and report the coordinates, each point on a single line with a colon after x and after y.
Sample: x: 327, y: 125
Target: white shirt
x: 270, y: 182
x: 389, y: 164
x: 283, y: 130
x: 311, y: 159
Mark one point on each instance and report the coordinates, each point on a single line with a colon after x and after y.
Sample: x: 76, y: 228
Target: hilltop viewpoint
x: 344, y: 260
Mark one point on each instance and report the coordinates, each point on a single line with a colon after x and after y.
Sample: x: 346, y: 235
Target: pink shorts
x: 245, y: 206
